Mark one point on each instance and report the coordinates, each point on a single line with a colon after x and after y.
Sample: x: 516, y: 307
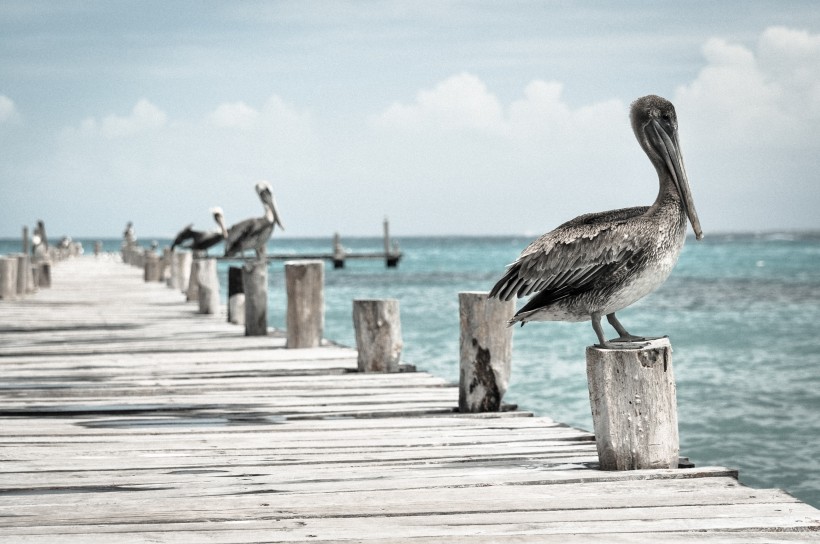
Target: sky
x: 448, y: 117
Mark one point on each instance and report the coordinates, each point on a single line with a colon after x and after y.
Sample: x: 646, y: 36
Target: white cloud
x: 757, y: 98
x: 8, y: 110
x: 144, y: 117
x: 459, y: 102
x: 234, y: 114
x: 750, y: 118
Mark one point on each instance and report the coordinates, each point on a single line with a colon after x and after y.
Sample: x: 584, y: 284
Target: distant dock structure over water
x: 391, y: 254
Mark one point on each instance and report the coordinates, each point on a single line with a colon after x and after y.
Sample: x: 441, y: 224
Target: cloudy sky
x: 468, y: 117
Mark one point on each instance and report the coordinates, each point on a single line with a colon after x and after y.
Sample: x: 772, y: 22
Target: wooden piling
x: 23, y: 266
x: 304, y: 282
x: 8, y: 278
x: 338, y: 252
x: 151, y: 268
x: 208, y: 286
x: 236, y: 296
x: 255, y: 286
x: 634, y: 407
x: 44, y: 274
x: 192, y: 292
x: 485, y: 351
x: 182, y: 262
x: 378, y: 335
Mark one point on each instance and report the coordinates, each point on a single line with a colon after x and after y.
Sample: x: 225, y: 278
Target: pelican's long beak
x: 665, y: 142
x: 270, y: 201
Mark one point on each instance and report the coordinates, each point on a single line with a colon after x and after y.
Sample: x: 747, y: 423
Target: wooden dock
x: 125, y: 416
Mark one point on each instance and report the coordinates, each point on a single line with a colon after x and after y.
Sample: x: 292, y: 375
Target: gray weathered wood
x: 304, y: 282
x: 377, y: 324
x: 255, y: 286
x: 44, y: 277
x: 23, y: 274
x: 634, y: 406
x: 192, y: 284
x: 208, y: 281
x: 152, y: 268
x: 485, y: 351
x: 8, y: 278
x: 124, y: 419
x: 183, y: 261
x: 236, y: 296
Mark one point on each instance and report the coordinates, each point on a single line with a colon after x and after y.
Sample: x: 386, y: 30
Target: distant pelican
x: 599, y: 263
x: 254, y: 233
x: 202, y: 240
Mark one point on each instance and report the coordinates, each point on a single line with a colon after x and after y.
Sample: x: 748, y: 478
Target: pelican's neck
x: 667, y: 190
x: 268, y: 213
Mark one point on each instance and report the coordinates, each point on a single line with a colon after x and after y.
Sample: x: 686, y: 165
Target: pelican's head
x: 266, y: 195
x: 655, y: 124
x: 219, y: 217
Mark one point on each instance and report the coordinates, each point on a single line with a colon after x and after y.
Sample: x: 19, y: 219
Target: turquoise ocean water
x: 742, y: 313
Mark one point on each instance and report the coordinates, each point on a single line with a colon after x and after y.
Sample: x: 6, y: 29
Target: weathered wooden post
x: 192, y: 291
x: 338, y: 251
x: 23, y: 274
x: 485, y: 351
x: 255, y: 286
x: 208, y: 286
x: 151, y: 268
x: 378, y: 334
x: 44, y: 275
x: 236, y: 296
x: 166, y: 264
x: 634, y: 408
x: 25, y: 247
x: 182, y: 263
x: 304, y: 282
x: 8, y: 278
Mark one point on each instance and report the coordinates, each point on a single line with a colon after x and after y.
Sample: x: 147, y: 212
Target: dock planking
x: 127, y: 416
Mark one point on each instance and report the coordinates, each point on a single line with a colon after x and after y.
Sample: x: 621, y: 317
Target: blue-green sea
x: 742, y: 312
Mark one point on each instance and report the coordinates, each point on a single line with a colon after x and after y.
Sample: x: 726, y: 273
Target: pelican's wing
x: 571, y: 257
x: 184, y: 234
x: 236, y: 236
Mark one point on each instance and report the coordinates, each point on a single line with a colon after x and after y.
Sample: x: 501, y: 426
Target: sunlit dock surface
x: 126, y: 416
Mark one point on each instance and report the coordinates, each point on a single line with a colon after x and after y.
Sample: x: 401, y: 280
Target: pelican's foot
x: 632, y: 338
x: 622, y: 344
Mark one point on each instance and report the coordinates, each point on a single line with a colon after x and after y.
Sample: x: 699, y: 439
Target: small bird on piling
x: 599, y: 263
x: 254, y: 233
x: 201, y: 240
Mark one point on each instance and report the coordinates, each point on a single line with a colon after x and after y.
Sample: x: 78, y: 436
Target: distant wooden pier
x: 339, y: 255
x: 128, y: 416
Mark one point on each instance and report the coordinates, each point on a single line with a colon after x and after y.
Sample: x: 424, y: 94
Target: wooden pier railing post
x: 152, y: 268
x: 634, y: 408
x: 8, y: 278
x: 183, y: 262
x: 378, y: 335
x: 236, y: 296
x: 485, y: 351
x: 23, y: 274
x: 304, y: 282
x: 208, y: 286
x: 255, y: 286
x: 192, y: 291
x: 44, y: 274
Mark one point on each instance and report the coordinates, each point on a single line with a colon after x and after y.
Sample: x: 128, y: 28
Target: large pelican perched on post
x: 254, y: 233
x: 599, y: 263
x: 201, y: 240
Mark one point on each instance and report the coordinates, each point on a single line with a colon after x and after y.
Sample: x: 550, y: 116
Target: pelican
x: 254, y: 233
x: 600, y: 263
x: 202, y: 240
